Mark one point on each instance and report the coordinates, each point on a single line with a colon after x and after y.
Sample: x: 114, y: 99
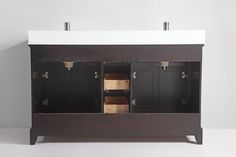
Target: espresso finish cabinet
x: 62, y: 90
x: 162, y: 101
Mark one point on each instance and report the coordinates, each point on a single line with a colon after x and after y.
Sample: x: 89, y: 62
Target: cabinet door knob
x: 133, y: 102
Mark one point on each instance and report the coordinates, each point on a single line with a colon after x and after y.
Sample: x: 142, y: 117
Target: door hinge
x: 184, y: 75
x: 37, y: 75
x: 45, y: 102
x: 45, y: 75
x: 96, y: 76
x: 133, y: 102
x: 134, y: 75
x: 183, y: 102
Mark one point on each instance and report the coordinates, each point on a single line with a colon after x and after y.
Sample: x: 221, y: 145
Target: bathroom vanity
x: 116, y: 85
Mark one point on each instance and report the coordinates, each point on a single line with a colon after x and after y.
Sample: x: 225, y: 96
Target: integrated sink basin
x: 116, y: 37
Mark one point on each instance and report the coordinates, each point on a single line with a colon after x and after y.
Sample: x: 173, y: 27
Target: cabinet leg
x: 198, y: 136
x: 33, y: 136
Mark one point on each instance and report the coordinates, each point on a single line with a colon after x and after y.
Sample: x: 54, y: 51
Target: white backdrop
x: 215, y: 16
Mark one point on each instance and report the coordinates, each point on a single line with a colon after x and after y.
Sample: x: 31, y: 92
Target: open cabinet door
x: 85, y: 96
x: 55, y: 87
x: 159, y: 90
x: 173, y: 88
x: 76, y: 90
x: 144, y: 84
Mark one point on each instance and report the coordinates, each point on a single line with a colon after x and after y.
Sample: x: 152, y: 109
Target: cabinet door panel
x: 55, y: 87
x: 144, y: 87
x: 74, y: 90
x: 172, y: 88
x: 158, y: 90
x: 85, y: 88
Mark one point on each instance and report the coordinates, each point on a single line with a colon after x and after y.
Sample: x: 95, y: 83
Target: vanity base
x: 98, y: 127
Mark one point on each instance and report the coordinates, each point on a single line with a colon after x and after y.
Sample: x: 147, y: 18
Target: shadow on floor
x: 113, y: 140
x: 14, y: 136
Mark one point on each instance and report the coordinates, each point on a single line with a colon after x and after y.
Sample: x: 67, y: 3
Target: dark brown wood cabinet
x: 162, y: 102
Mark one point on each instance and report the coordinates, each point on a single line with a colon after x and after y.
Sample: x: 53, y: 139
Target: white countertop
x: 116, y: 37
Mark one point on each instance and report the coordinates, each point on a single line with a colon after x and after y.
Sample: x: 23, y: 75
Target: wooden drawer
x: 116, y: 82
x: 116, y: 104
x: 124, y: 108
